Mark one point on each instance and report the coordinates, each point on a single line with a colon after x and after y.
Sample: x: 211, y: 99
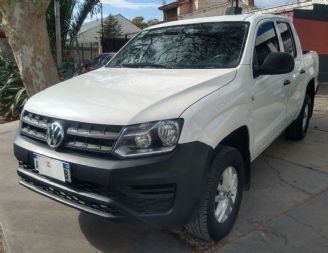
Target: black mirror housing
x: 276, y: 63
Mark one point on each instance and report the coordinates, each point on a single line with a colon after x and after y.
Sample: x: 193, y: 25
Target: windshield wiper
x: 144, y: 65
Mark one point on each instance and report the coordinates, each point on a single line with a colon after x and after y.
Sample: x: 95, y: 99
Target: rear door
x: 295, y: 91
x: 270, y: 93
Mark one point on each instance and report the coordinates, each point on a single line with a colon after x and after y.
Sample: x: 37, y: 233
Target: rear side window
x: 287, y: 38
x: 265, y: 43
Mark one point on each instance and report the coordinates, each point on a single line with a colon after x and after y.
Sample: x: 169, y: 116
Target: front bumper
x: 161, y: 190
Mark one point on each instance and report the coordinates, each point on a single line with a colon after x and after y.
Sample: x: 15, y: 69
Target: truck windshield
x: 196, y: 46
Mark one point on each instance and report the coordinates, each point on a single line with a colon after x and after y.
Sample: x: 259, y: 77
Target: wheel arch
x: 240, y: 140
x: 310, y: 90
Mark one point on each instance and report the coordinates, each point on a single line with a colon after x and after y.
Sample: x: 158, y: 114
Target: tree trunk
x: 5, y: 50
x: 24, y: 23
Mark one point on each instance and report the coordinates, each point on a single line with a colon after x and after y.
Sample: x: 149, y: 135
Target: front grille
x: 79, y: 136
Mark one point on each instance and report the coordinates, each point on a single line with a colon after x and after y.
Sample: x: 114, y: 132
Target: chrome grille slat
x: 33, y: 134
x: 34, y: 122
x: 89, y: 147
x: 83, y: 137
x: 104, y: 135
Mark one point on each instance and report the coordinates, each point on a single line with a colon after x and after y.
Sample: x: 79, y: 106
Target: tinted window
x: 266, y: 42
x: 207, y: 45
x: 287, y: 38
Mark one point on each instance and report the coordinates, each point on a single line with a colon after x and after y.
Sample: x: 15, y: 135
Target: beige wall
x: 204, y: 8
x: 170, y: 15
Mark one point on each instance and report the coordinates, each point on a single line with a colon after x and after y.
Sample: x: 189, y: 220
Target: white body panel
x: 127, y: 96
x: 212, y: 102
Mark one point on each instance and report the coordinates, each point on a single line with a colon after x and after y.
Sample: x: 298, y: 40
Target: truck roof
x: 226, y: 18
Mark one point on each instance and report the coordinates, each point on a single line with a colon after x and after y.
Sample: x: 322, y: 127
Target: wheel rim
x: 226, y: 194
x: 305, y: 117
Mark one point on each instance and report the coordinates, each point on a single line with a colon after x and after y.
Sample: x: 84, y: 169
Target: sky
x: 149, y: 8
x: 132, y: 8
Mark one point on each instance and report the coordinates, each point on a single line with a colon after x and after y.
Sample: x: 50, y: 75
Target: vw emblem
x: 55, y: 135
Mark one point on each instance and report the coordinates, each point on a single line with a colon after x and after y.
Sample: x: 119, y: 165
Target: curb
x: 3, y: 241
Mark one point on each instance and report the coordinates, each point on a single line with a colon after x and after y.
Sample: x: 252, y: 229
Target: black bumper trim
x: 32, y: 181
x: 163, y: 191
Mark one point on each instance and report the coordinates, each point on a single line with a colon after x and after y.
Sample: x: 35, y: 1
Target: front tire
x: 221, y: 201
x: 298, y: 129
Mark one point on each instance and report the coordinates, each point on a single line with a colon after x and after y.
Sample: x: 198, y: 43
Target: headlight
x: 149, y: 138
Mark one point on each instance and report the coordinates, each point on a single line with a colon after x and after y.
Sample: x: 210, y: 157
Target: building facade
x: 90, y: 31
x: 310, y: 19
x: 185, y: 9
x: 89, y: 38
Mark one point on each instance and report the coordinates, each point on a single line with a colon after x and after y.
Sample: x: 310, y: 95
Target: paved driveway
x: 285, y: 211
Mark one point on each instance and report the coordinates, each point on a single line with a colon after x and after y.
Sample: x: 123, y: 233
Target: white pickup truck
x: 167, y: 130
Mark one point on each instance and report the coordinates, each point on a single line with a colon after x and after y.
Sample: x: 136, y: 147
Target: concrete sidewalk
x: 285, y: 210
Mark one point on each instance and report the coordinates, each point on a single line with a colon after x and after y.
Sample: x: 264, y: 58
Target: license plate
x: 52, y: 168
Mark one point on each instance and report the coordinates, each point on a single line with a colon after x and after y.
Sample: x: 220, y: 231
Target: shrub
x: 12, y: 92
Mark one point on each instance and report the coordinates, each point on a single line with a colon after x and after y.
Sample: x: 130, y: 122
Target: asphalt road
x: 285, y: 210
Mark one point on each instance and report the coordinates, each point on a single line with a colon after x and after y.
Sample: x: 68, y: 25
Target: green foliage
x: 140, y: 22
x: 66, y: 14
x: 153, y: 21
x: 12, y: 92
x: 112, y: 27
x: 72, y: 15
x: 82, y: 10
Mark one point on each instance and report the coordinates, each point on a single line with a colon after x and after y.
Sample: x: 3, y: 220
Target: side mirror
x: 276, y: 63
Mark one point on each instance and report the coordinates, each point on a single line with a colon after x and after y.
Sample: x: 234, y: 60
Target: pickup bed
x: 166, y: 132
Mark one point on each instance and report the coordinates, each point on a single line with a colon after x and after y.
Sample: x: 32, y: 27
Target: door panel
x: 268, y: 110
x: 270, y: 93
x: 295, y: 89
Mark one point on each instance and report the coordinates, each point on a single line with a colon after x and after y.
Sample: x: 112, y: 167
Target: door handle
x: 287, y: 82
x: 302, y: 71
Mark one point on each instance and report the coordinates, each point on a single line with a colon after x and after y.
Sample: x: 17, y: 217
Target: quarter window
x: 287, y: 38
x: 265, y: 43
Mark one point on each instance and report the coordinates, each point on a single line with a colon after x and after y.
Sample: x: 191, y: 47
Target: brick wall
x: 204, y: 4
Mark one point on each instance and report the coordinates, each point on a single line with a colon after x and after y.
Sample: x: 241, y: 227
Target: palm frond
x: 83, y: 9
x: 66, y: 14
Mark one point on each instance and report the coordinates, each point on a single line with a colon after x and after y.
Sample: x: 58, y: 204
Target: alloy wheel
x: 226, y: 194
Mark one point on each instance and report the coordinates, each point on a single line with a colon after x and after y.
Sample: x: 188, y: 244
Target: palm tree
x: 72, y: 15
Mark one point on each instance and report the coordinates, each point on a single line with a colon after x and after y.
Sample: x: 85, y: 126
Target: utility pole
x: 58, y: 34
x: 102, y: 30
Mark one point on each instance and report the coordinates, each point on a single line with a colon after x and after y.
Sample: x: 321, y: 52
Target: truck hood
x: 127, y: 96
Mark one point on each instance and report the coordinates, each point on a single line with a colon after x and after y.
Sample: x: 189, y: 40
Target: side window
x: 287, y: 38
x: 265, y: 43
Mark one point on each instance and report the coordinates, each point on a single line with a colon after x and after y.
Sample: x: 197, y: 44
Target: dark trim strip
x: 318, y: 13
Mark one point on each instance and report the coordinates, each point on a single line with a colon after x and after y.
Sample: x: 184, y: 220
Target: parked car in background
x: 97, y: 62
x: 167, y: 131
